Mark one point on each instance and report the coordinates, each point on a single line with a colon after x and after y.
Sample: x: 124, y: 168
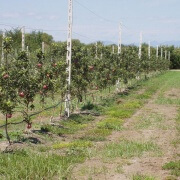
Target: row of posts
x: 69, y: 52
x: 113, y: 48
x: 22, y: 44
x: 140, y: 48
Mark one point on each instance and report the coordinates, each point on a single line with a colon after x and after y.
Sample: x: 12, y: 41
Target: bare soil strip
x: 153, y: 122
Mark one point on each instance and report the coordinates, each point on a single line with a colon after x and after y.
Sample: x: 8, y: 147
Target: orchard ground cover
x: 135, y: 136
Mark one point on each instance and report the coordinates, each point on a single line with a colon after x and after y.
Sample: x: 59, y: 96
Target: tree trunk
x: 6, y: 130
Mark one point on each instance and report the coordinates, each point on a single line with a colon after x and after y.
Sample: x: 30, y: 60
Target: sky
x: 96, y: 20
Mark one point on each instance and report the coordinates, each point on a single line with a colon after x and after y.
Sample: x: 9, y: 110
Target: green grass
x: 143, y: 177
x: 28, y: 165
x: 42, y: 162
x: 90, y: 172
x: 80, y: 119
x: 170, y: 82
x: 164, y: 100
x: 97, y: 134
x: 74, y: 144
x: 128, y: 149
x: 133, y: 104
x: 111, y: 123
x: 125, y: 110
x: 176, y: 141
x: 150, y: 120
x: 174, y: 166
x: 178, y: 122
x: 70, y: 126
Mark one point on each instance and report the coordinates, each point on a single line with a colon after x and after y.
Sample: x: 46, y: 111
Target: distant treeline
x: 34, y: 41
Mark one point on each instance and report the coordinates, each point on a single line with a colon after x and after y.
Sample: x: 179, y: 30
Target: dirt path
x: 155, y: 123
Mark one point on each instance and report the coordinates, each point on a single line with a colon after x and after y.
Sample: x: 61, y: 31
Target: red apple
x: 21, y: 94
x: 54, y: 65
x: 45, y: 87
x: 91, y: 67
x: 39, y: 65
x: 5, y: 76
x: 9, y: 115
x: 29, y: 125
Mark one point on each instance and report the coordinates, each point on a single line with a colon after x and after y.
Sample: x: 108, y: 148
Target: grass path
x: 154, y: 123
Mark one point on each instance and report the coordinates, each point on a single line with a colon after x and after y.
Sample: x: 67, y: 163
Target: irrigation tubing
x: 45, y: 109
x: 38, y: 112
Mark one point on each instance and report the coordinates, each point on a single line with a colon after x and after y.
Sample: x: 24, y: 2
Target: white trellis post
x: 96, y: 50
x: 119, y: 52
x: 161, y: 53
x: 169, y: 56
x: 165, y: 54
x: 139, y: 54
x: 2, y: 56
x: 113, y: 49
x: 68, y: 57
x: 23, y: 38
x: 120, y: 39
x: 140, y: 46
x: 42, y: 47
x: 101, y: 55
x: 149, y: 50
x: 102, y: 51
x: 157, y: 51
x: 27, y: 50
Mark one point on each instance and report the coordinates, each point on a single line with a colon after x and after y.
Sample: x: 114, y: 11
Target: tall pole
x: 27, y: 50
x: 169, y: 56
x: 119, y: 52
x: 43, y: 47
x: 120, y: 39
x: 113, y: 49
x: 2, y: 56
x: 161, y: 53
x: 149, y: 50
x: 96, y: 50
x: 102, y: 51
x: 68, y: 57
x: 157, y: 51
x: 23, y: 38
x: 165, y: 54
x: 140, y: 46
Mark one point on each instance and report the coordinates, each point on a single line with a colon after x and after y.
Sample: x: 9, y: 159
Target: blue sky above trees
x: 96, y: 19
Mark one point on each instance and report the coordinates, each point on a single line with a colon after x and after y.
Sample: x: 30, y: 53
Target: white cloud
x: 34, y: 15
x: 31, y: 14
x: 10, y: 15
x: 53, y: 17
x: 38, y: 17
x: 165, y: 20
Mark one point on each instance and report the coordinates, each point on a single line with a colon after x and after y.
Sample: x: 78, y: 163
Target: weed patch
x: 143, y: 177
x: 70, y: 126
x: 75, y: 144
x: 37, y: 166
x: 98, y: 134
x: 127, y: 149
x: 111, y: 123
x: 152, y: 119
x: 174, y: 166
